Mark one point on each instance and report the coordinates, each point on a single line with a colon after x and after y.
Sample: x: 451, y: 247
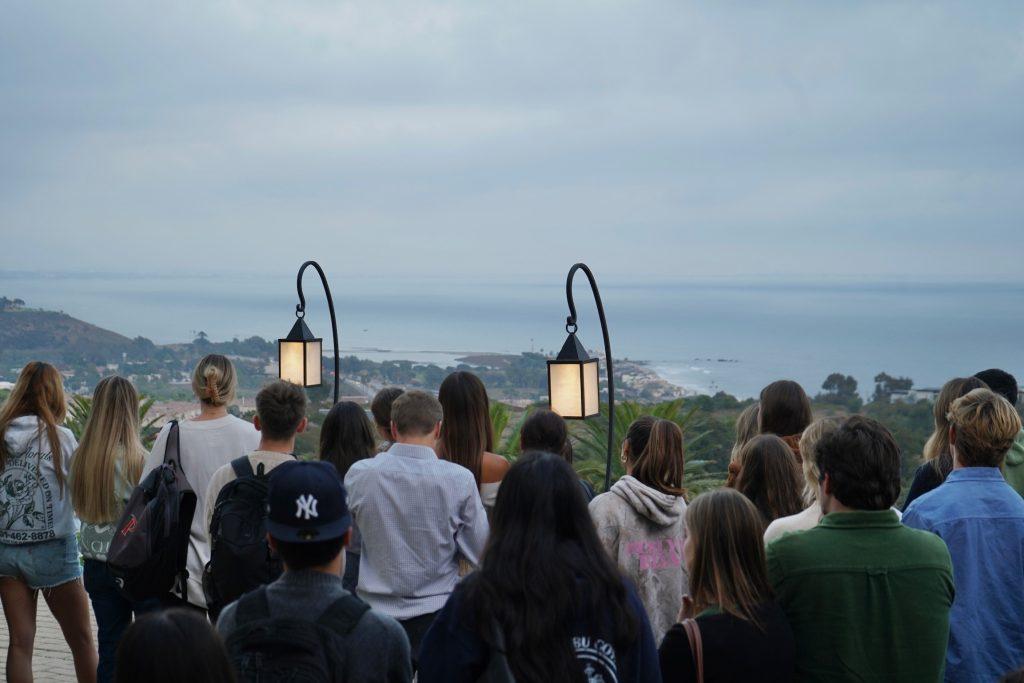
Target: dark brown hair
x: 728, y: 569
x: 39, y: 391
x: 346, y: 436
x: 770, y: 477
x: 415, y: 413
x: 466, y: 431
x: 655, y: 455
x: 281, y: 406
x: 862, y: 462
x: 785, y: 409
x: 546, y: 431
x: 169, y: 646
x: 381, y: 406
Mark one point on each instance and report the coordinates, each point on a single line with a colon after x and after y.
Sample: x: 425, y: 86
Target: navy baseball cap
x: 306, y: 503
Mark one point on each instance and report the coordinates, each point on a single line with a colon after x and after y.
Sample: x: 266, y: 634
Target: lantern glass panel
x: 566, y: 393
x: 291, y: 358
x: 592, y: 404
x: 314, y: 363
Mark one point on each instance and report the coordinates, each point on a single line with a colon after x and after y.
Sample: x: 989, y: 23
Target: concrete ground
x: 51, y: 661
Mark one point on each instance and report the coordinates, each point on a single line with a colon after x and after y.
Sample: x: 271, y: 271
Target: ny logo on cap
x: 306, y: 506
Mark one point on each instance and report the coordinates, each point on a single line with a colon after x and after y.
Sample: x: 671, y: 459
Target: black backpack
x: 267, y: 648
x: 240, y: 558
x: 149, y: 552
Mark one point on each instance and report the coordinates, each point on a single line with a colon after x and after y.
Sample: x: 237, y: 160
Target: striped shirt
x: 417, y: 515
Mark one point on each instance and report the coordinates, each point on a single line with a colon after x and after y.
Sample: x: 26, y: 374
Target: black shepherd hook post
x: 300, y: 312
x: 570, y: 322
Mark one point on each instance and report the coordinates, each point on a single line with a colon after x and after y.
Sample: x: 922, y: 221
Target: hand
x: 686, y: 611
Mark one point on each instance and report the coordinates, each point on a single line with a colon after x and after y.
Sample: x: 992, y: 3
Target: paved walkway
x: 51, y: 660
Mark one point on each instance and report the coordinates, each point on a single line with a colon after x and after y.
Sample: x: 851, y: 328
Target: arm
x: 399, y: 658
x: 472, y: 527
x: 647, y: 669
x: 217, y: 482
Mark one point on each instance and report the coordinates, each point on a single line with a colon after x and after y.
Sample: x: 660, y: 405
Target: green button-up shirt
x: 868, y: 598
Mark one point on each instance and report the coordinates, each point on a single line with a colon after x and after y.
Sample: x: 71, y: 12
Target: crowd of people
x: 408, y: 548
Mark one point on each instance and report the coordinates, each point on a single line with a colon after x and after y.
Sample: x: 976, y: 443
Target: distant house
x: 913, y: 395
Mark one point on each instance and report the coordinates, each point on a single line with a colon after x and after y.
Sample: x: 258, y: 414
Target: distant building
x: 913, y: 395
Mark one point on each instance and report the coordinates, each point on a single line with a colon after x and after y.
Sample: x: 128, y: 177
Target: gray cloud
x: 657, y: 138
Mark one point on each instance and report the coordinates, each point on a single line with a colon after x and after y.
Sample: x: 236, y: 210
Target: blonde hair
x: 214, y: 381
x: 985, y: 425
x: 936, y: 449
x: 746, y: 429
x: 728, y: 568
x: 814, y: 433
x: 39, y: 391
x: 111, y: 435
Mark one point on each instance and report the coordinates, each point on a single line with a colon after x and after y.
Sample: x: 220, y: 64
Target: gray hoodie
x: 643, y: 531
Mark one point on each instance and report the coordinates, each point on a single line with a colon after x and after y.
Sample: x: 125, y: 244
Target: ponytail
x: 656, y: 448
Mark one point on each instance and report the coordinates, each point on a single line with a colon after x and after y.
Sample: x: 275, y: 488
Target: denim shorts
x: 46, y: 564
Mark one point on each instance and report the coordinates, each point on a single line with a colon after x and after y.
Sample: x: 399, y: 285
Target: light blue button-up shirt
x: 981, y: 519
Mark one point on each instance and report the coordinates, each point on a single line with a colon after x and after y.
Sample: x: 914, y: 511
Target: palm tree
x: 592, y: 442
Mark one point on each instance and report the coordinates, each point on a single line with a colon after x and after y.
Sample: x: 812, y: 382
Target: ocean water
x: 705, y: 335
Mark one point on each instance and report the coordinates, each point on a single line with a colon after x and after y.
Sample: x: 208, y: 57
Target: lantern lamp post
x: 573, y: 389
x: 300, y: 354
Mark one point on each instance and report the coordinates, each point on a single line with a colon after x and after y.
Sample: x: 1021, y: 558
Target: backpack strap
x: 242, y: 467
x: 253, y: 606
x: 343, y: 614
x: 172, y: 452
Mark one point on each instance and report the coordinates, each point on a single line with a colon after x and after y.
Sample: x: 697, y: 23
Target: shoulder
x: 925, y: 546
x: 456, y: 473
x: 226, y: 620
x: 380, y: 629
x: 603, y: 503
x: 494, y: 467
x: 220, y: 478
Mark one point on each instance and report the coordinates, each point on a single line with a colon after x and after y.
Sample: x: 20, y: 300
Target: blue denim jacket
x: 981, y: 519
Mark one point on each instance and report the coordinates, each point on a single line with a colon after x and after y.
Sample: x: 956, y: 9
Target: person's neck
x: 335, y: 567
x: 836, y: 506
x: 286, y: 446
x: 208, y: 412
x: 426, y: 441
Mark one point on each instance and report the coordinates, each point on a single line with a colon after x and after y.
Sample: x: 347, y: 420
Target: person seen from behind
x: 207, y: 442
x: 171, y: 646
x: 981, y: 519
x: 346, y: 436
x: 785, y: 411
x: 545, y: 431
x: 770, y: 477
x: 938, y: 459
x: 640, y: 520
x: 867, y: 597
x: 418, y: 515
x: 744, y: 635
x: 547, y: 604
x: 238, y: 562
x: 381, y: 409
x: 808, y: 518
x: 305, y: 625
x: 106, y: 468
x: 38, y: 548
x: 746, y: 429
x: 467, y: 435
x: 1004, y: 384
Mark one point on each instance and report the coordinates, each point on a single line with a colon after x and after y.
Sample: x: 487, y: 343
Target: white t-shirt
x: 205, y: 446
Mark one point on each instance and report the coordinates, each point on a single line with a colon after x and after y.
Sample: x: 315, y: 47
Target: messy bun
x: 214, y: 382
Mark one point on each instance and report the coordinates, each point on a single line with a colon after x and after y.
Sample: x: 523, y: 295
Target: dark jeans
x: 351, y: 578
x: 113, y: 614
x: 416, y: 628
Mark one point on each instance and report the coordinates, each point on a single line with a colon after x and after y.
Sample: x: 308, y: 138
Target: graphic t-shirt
x: 33, y: 507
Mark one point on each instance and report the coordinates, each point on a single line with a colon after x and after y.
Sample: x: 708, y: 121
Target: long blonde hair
x: 814, y: 433
x: 728, y: 568
x: 936, y: 449
x: 214, y: 381
x: 111, y: 435
x: 39, y: 391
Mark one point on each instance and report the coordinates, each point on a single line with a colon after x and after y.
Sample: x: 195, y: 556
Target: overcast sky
x: 656, y: 140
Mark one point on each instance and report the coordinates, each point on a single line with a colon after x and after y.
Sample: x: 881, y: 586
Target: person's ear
x: 952, y: 435
x: 271, y: 543
x: 437, y: 431
x: 826, y: 485
x: 257, y: 424
x: 394, y: 431
x: 346, y: 540
x: 303, y: 423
